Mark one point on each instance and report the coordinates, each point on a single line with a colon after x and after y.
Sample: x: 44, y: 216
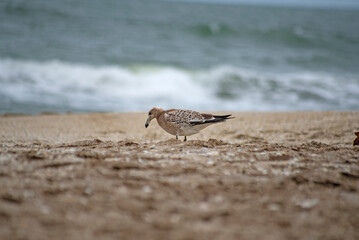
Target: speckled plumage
x: 183, y: 122
x: 182, y: 116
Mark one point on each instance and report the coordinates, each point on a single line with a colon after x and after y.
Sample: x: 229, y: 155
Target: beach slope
x: 105, y: 176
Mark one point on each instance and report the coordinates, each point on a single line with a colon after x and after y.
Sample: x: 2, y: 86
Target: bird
x: 185, y: 123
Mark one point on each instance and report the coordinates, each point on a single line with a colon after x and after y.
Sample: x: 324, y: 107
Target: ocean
x: 131, y: 55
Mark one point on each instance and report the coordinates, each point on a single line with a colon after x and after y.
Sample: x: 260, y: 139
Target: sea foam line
x: 137, y: 88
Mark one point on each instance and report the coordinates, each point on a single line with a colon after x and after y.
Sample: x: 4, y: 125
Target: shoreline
x: 293, y: 127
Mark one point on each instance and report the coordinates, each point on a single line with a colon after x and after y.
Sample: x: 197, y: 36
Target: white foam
x: 99, y: 88
x: 137, y: 88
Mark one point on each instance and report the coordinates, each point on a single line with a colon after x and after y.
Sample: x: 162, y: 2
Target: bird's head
x: 153, y: 113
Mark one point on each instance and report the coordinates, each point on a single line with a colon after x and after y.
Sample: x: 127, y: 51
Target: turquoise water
x: 127, y: 55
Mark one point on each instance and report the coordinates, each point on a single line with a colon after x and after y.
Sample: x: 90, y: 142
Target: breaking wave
x: 32, y: 87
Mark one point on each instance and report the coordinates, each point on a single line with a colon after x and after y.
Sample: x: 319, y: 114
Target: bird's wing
x: 183, y: 116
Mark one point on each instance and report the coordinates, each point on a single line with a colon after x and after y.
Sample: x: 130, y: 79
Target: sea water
x: 131, y: 55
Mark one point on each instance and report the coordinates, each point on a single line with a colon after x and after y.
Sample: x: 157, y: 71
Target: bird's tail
x: 223, y: 117
x: 214, y: 119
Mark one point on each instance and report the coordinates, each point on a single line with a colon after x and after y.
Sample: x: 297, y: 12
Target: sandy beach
x: 292, y: 175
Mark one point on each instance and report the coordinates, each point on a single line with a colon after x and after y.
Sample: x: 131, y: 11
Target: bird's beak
x: 148, y: 121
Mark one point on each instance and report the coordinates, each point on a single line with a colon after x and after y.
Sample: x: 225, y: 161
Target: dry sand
x: 104, y: 176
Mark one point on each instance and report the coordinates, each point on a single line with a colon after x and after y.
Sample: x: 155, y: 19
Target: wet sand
x: 104, y: 176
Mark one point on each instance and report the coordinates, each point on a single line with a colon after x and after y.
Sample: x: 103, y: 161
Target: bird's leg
x: 185, y: 138
x: 177, y: 136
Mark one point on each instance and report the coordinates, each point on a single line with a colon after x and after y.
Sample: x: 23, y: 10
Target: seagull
x: 183, y: 122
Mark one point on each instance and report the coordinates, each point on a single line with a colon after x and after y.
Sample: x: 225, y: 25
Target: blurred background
x: 131, y: 55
